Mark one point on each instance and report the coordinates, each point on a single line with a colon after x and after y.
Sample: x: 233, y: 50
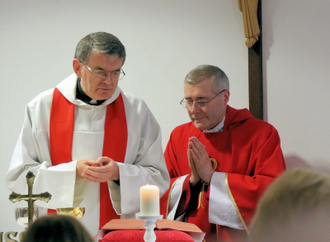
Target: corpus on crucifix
x: 30, y: 197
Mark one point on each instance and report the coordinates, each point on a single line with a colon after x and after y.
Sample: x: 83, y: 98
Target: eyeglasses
x: 115, y: 75
x: 199, y: 103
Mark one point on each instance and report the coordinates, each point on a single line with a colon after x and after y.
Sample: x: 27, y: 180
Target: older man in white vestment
x: 87, y: 142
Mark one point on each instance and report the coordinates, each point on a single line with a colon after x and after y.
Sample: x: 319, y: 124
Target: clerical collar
x: 81, y: 95
x: 217, y: 128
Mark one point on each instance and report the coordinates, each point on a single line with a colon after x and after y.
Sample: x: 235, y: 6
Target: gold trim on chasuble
x: 169, y: 195
x: 237, y: 210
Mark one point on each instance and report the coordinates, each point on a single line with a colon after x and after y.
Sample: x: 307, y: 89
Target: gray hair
x: 100, y: 42
x: 202, y: 72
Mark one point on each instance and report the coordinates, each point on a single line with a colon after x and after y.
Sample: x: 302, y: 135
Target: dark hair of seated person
x: 57, y: 228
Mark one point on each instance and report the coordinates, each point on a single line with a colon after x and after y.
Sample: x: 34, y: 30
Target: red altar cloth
x: 122, y: 230
x: 137, y: 235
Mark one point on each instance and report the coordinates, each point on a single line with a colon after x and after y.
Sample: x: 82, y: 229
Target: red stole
x: 61, y: 134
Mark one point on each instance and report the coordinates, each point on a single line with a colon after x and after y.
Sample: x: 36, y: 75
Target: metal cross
x: 30, y: 197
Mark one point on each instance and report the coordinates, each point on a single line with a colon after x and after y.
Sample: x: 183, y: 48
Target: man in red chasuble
x: 88, y: 143
x: 221, y: 162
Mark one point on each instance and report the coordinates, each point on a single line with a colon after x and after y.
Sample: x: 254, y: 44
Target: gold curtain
x: 249, y: 9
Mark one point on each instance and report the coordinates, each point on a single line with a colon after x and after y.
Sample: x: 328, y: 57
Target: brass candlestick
x: 30, y: 197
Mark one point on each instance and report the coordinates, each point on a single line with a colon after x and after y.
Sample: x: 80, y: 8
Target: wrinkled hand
x: 102, y: 170
x: 200, y: 158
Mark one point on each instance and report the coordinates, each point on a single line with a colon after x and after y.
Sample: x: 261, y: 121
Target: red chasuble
x: 61, y: 135
x: 248, y: 151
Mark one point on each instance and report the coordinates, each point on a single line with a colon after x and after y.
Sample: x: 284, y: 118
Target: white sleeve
x: 174, y: 197
x: 59, y: 180
x: 222, y: 209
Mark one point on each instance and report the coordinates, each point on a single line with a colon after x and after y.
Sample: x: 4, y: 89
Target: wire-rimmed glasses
x: 114, y: 75
x: 199, y: 103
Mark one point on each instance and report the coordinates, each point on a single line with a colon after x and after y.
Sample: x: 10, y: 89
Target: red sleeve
x: 266, y: 164
x: 174, y: 172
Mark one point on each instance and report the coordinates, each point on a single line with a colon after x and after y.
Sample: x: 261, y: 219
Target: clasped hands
x: 199, y: 162
x: 101, y: 170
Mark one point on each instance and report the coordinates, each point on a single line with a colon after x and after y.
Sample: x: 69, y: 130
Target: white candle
x: 149, y: 200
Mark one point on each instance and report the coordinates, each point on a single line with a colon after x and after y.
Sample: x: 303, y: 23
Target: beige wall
x: 296, y: 63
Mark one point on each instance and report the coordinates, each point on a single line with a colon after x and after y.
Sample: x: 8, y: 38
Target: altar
x: 148, y: 226
x: 121, y: 230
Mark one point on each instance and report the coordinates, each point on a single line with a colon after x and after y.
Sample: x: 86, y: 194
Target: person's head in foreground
x: 57, y: 228
x: 295, y: 207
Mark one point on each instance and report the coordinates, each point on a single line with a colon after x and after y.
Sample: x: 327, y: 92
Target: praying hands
x: 199, y: 162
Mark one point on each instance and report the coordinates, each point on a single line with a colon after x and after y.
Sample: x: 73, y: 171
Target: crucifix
x: 252, y: 16
x: 256, y: 73
x: 30, y: 197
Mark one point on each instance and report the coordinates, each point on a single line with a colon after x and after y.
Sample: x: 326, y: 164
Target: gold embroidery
x: 204, y: 184
x: 232, y: 198
x: 200, y: 196
x: 214, y: 163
